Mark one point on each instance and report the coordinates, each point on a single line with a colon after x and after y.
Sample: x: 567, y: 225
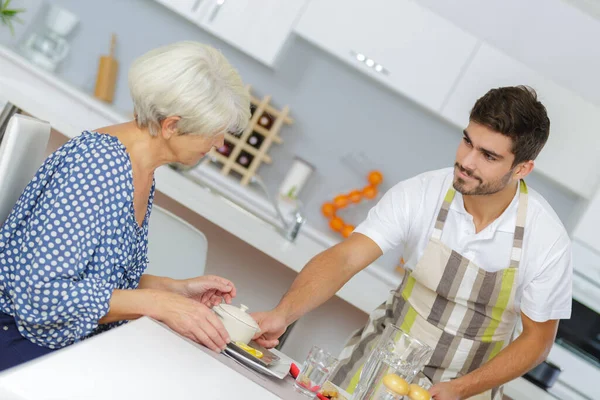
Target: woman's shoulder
x: 96, y: 144
x: 90, y: 149
x: 90, y: 156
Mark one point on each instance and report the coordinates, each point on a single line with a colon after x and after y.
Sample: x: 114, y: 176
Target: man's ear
x: 524, y: 169
x: 168, y: 127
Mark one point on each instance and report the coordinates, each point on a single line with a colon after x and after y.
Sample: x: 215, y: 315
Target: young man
x: 481, y: 249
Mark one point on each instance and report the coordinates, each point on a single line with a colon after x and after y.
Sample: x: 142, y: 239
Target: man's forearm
x: 516, y: 359
x: 318, y: 281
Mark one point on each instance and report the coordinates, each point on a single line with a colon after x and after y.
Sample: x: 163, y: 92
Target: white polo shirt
x: 406, y: 215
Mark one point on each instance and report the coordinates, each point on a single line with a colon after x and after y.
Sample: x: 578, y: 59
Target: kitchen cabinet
x: 555, y: 45
x: 399, y: 43
x: 259, y: 28
x: 570, y: 156
x: 190, y: 9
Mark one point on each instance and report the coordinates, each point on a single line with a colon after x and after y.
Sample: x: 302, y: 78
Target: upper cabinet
x: 570, y: 156
x: 258, y: 28
x: 397, y: 42
x: 190, y: 9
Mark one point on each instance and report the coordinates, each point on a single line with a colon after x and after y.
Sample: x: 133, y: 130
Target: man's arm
x: 318, y: 281
x: 326, y: 273
x: 528, y: 350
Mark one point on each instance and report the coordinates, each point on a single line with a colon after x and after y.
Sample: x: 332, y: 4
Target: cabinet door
x: 398, y: 42
x: 258, y: 27
x: 190, y: 9
x: 570, y: 157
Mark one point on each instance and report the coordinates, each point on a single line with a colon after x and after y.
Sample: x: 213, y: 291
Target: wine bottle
x: 245, y: 159
x: 255, y: 140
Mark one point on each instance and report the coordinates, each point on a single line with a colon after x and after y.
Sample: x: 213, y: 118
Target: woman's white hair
x: 192, y: 81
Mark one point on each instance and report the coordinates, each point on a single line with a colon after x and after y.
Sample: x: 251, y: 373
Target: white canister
x: 238, y: 323
x: 295, y: 179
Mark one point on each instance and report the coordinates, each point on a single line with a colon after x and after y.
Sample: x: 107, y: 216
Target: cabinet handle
x: 216, y: 10
x: 196, y: 5
x: 369, y: 62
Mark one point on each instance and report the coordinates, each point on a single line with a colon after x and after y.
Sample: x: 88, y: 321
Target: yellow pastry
x: 254, y: 352
x: 416, y: 392
x: 396, y: 384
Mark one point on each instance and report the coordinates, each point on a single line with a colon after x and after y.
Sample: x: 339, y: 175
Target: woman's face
x: 189, y: 149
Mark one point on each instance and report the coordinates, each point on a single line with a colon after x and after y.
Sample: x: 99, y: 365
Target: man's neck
x: 486, y: 209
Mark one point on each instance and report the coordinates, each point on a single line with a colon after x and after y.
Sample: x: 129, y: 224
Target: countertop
x: 140, y: 360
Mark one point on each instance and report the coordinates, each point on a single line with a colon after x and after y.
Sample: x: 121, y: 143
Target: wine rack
x: 243, y: 154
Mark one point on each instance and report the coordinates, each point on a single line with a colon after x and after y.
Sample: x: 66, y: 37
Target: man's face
x: 483, y: 161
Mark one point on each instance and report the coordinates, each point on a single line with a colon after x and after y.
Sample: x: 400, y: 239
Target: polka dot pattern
x: 70, y: 240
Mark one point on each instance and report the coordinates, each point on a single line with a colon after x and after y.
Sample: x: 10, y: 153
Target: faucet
x: 290, y: 229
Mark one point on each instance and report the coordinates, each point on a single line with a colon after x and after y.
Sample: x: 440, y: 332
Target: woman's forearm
x: 131, y: 304
x: 160, y: 283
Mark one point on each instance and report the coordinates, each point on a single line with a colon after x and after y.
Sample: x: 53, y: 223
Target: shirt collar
x: 505, y: 222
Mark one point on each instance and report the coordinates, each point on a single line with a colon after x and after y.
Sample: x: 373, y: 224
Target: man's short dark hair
x: 516, y: 112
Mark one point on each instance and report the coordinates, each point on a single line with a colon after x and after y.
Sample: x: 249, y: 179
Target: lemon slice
x: 254, y: 352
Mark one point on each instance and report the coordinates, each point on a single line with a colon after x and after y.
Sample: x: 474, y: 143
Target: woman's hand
x: 209, y: 290
x: 191, y: 319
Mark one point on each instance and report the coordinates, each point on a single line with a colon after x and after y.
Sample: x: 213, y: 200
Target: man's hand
x: 445, y: 391
x: 209, y: 290
x: 272, y: 326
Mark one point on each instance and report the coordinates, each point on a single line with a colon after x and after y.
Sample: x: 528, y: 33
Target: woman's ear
x: 168, y: 127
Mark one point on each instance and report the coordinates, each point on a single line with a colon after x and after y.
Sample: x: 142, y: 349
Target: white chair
x: 175, y: 248
x: 22, y: 152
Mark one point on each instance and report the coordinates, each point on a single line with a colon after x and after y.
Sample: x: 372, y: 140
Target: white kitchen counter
x: 139, y: 360
x: 71, y: 111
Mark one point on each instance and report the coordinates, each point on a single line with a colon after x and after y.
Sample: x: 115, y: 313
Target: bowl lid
x: 239, y: 314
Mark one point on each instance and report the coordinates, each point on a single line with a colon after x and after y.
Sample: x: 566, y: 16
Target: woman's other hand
x: 209, y: 290
x: 190, y: 318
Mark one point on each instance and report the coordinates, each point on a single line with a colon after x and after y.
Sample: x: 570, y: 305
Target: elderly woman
x: 74, y: 249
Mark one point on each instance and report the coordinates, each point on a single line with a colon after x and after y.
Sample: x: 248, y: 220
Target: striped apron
x: 463, y: 312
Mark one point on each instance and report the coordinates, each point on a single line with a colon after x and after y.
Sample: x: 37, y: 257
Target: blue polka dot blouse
x: 70, y: 240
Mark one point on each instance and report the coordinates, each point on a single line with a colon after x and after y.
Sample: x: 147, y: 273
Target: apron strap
x: 515, y: 257
x: 443, y: 214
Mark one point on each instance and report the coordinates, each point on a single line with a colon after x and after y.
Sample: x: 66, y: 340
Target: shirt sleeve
x: 388, y: 222
x: 56, y: 300
x: 549, y: 295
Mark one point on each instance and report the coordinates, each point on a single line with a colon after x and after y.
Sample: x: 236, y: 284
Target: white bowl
x: 238, y: 323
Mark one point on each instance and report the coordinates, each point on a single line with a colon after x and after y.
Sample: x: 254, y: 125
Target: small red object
x: 321, y: 397
x: 294, y: 370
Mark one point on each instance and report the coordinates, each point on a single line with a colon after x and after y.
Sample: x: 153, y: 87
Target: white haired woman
x: 74, y: 249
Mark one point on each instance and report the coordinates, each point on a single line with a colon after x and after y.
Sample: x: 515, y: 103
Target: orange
x: 370, y: 192
x: 355, y: 196
x: 336, y: 224
x: 328, y: 210
x: 375, y: 178
x: 340, y: 201
x: 347, y: 230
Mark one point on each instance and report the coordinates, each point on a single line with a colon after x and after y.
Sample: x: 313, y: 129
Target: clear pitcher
x: 396, y: 352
